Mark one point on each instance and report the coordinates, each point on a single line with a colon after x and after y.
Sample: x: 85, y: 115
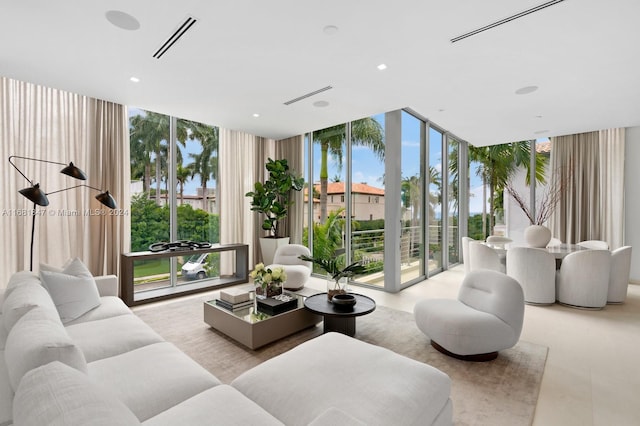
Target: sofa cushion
x: 73, y: 290
x: 332, y: 416
x: 56, y: 394
x: 112, y: 336
x: 6, y: 393
x: 221, y: 405
x: 110, y: 306
x: 152, y: 379
x: 372, y: 384
x: 22, y: 299
x: 39, y: 338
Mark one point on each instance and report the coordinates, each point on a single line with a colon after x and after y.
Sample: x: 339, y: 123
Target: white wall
x: 632, y: 198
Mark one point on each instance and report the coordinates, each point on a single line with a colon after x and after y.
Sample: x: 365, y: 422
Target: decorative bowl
x: 343, y: 301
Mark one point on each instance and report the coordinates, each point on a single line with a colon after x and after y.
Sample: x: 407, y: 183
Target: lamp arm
x: 73, y: 187
x: 19, y: 171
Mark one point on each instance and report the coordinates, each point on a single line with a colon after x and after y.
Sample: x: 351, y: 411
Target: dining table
x: 559, y: 251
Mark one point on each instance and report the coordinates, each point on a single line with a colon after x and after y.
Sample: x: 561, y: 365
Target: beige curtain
x: 241, y: 164
x: 292, y: 149
x: 593, y: 207
x: 54, y: 125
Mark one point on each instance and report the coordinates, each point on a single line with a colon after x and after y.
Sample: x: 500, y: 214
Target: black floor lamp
x: 39, y: 198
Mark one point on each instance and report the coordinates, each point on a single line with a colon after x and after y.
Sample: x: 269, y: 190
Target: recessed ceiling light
x: 539, y: 132
x: 441, y: 110
x: 135, y: 79
x: 538, y: 116
x: 320, y: 104
x: 526, y: 90
x: 330, y: 29
x: 382, y: 67
x: 256, y: 115
x: 122, y: 20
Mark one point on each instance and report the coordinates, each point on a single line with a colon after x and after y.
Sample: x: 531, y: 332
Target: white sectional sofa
x: 108, y: 367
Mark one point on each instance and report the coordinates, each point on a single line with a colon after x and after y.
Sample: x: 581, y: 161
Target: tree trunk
x: 324, y: 177
x: 205, y: 205
x: 146, y: 180
x: 484, y: 209
x: 158, y: 176
x: 181, y: 193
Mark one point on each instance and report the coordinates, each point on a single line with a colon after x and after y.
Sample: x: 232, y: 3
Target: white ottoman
x: 335, y: 373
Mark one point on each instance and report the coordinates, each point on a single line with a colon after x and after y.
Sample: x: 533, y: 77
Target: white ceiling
x: 245, y: 57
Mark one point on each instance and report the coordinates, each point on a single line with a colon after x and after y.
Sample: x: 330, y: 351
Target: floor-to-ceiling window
x: 166, y: 150
x: 436, y: 232
x: 412, y: 249
x: 367, y: 205
x: 453, y: 198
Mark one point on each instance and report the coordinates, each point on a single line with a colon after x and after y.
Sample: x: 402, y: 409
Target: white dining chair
x: 619, y: 276
x: 484, y: 257
x: 594, y: 244
x: 535, y: 270
x: 583, y: 279
x: 465, y: 253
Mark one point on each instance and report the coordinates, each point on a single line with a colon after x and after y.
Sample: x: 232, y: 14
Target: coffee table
x: 255, y: 329
x: 340, y: 320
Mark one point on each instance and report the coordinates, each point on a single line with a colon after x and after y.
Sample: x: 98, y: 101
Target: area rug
x: 499, y: 392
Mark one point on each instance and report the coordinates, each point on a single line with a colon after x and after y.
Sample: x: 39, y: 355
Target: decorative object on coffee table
x: 268, y: 281
x: 343, y: 302
x: 336, y: 318
x: 337, y: 282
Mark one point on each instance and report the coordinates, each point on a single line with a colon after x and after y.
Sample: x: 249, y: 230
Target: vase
x: 336, y: 287
x: 264, y: 290
x: 537, y: 236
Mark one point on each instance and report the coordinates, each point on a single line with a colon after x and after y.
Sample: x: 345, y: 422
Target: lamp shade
x: 106, y: 199
x: 74, y: 172
x: 35, y: 195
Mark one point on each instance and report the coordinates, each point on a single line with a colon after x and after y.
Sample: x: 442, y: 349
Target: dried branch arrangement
x: 559, y: 184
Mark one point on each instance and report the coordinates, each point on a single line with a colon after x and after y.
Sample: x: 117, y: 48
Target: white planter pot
x: 268, y: 247
x: 537, y: 236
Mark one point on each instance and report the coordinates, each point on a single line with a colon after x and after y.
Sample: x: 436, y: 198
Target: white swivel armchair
x: 298, y: 271
x: 619, y: 276
x: 583, y: 279
x: 535, y: 270
x: 484, y: 257
x: 486, y: 318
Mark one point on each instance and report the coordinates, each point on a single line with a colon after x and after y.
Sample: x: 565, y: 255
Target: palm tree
x: 365, y: 132
x: 182, y: 176
x: 205, y: 163
x: 147, y: 133
x: 499, y: 162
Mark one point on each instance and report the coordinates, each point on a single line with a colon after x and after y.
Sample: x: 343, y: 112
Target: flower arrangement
x: 268, y: 281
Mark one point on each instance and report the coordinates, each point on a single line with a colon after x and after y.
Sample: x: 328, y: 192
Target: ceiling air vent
x: 308, y: 95
x: 505, y: 20
x: 182, y: 28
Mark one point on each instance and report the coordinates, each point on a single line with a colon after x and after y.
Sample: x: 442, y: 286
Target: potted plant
x: 337, y: 282
x: 273, y: 199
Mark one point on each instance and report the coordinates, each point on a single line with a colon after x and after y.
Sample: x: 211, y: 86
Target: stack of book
x: 234, y: 299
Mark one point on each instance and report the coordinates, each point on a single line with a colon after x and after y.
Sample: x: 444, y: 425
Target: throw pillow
x: 56, y: 394
x: 51, y: 268
x: 39, y: 338
x: 74, y: 291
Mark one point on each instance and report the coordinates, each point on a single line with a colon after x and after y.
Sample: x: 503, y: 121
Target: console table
x: 241, y: 274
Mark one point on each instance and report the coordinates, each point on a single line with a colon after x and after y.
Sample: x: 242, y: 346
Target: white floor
x: 592, y: 375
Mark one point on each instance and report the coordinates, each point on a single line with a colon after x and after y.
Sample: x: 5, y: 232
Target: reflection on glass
x: 151, y: 274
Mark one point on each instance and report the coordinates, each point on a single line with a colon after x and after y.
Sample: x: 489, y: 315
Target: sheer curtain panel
x: 50, y: 124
